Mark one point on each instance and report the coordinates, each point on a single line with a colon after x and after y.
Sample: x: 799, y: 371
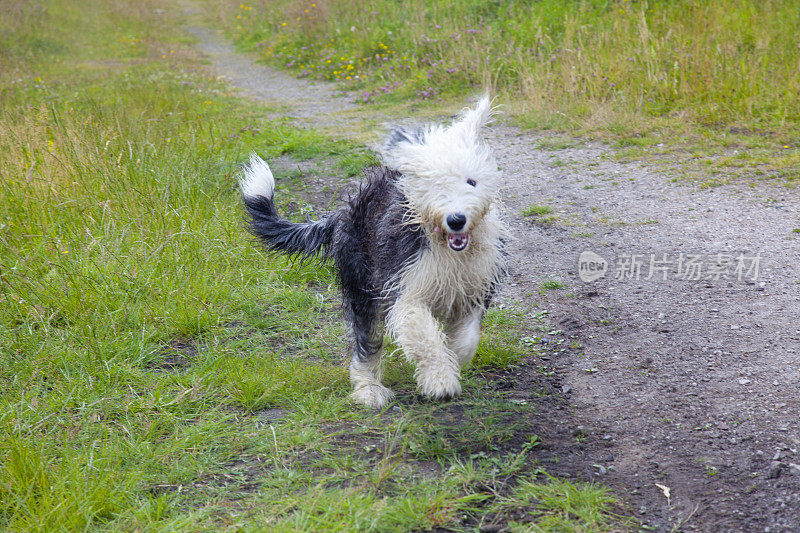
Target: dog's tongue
x: 458, y: 241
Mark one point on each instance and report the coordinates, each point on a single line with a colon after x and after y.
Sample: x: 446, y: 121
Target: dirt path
x: 697, y: 382
x: 309, y: 102
x: 691, y: 384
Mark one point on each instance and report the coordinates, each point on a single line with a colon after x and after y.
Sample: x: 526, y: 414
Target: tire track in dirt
x: 688, y: 384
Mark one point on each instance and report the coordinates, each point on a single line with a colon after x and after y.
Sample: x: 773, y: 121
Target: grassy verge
x: 158, y: 371
x: 710, y: 81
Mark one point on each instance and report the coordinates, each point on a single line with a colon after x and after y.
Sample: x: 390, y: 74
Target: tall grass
x: 120, y: 231
x: 612, y: 64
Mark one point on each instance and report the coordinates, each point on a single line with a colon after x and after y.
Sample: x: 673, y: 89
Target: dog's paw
x: 439, y: 384
x: 374, y: 396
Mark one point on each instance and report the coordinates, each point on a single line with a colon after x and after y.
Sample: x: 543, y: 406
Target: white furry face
x: 450, y: 177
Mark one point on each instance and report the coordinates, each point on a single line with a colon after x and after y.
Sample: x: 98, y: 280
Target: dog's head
x: 449, y: 175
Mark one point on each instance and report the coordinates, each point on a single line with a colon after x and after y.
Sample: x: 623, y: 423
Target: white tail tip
x: 257, y: 179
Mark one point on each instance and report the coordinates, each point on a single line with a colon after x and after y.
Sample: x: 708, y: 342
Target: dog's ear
x: 401, y: 139
x: 400, y: 135
x: 470, y: 121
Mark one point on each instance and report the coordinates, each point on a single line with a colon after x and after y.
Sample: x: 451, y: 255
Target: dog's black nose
x: 456, y: 221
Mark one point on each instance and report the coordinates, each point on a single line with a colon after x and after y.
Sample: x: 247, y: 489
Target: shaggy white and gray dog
x: 420, y: 247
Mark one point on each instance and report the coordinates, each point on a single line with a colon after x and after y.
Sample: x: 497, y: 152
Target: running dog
x: 419, y: 248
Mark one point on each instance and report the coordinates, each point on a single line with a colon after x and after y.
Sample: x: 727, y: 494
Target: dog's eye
x: 471, y: 182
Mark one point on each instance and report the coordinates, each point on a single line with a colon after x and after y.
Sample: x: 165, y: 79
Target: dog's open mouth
x: 457, y: 241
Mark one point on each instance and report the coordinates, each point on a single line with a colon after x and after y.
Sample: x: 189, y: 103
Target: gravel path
x: 690, y: 384
x: 697, y: 381
x: 310, y: 103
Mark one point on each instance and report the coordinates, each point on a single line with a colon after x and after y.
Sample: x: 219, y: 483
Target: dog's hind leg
x: 365, y: 365
x: 417, y: 331
x: 464, y: 334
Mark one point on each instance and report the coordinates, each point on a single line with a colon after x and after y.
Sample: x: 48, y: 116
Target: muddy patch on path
x: 174, y: 356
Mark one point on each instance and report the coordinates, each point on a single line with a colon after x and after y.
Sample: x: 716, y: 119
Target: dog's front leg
x: 464, y: 334
x: 414, y: 327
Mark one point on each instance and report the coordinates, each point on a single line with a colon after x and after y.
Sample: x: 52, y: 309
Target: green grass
x: 657, y: 77
x: 503, y: 343
x: 535, y: 210
x: 552, y: 284
x: 555, y: 143
x: 158, y: 371
x: 539, y: 212
x: 568, y: 506
x: 710, y: 59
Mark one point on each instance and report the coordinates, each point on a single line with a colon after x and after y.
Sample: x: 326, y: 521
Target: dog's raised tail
x: 303, y: 239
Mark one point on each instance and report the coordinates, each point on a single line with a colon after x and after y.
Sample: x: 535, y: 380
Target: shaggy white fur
x: 452, y: 171
x: 257, y: 179
x: 436, y: 317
